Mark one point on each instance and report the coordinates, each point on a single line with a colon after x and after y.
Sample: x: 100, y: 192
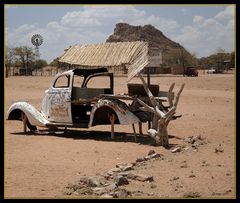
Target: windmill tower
x: 37, y: 40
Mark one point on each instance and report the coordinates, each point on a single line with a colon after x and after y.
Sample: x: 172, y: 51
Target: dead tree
x: 161, y: 115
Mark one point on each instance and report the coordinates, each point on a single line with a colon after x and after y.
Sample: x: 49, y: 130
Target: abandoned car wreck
x: 71, y: 100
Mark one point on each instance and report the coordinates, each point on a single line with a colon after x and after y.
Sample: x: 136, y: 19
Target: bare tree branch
x: 170, y: 99
x: 170, y: 113
x: 147, y: 108
x: 159, y: 112
x: 178, y: 95
x: 149, y: 93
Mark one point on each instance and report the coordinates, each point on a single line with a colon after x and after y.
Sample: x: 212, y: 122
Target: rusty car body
x: 71, y: 104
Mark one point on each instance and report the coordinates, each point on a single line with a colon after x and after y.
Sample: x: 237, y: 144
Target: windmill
x: 37, y: 40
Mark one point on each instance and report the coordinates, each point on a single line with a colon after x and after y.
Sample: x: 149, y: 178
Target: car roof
x: 87, y: 72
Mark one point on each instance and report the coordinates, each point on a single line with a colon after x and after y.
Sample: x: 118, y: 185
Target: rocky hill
x: 156, y: 39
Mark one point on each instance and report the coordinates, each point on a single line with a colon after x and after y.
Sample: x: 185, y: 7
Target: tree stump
x: 162, y: 115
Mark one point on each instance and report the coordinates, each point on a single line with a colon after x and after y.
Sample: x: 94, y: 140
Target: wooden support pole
x: 134, y: 131
x: 148, y: 84
x: 140, y: 128
x: 112, y: 120
x: 24, y: 119
x: 148, y: 77
x: 170, y: 99
x: 65, y: 130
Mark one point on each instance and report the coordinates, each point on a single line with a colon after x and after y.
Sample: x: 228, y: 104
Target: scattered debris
x: 153, y: 186
x: 140, y: 159
x: 140, y: 177
x: 106, y: 196
x: 185, y: 148
x: 204, y: 163
x: 91, y: 182
x: 219, y: 148
x: 141, y: 194
x: 121, y: 193
x: 192, y: 176
x: 125, y: 167
x: 152, y: 156
x: 177, y: 187
x: 177, y: 149
x: 184, y: 166
x: 151, y: 152
x: 102, y: 190
x: 110, y: 184
x: 221, y: 193
x: 194, y: 141
x: 121, y: 180
x: 123, y: 174
x: 174, y: 178
x: 191, y: 195
x: 78, y: 189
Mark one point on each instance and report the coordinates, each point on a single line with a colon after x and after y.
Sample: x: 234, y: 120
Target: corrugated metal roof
x: 132, y: 54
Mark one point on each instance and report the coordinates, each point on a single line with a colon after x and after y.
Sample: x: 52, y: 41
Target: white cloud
x: 25, y: 28
x: 79, y: 19
x: 163, y: 24
x: 205, y: 36
x: 98, y: 16
x: 198, y: 19
x: 54, y: 26
x: 226, y: 14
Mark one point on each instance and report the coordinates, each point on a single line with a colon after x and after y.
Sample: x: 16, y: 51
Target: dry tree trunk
x: 161, y: 118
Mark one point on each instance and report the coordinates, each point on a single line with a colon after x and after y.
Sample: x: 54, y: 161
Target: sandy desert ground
x: 42, y: 165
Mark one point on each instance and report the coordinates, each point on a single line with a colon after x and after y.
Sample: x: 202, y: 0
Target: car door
x: 56, y: 103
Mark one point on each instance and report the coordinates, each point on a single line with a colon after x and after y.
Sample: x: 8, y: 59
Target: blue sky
x: 200, y: 29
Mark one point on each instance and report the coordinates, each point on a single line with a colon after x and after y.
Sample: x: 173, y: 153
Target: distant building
x: 155, y: 62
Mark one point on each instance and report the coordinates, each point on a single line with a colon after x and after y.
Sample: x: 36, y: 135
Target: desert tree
x: 9, y: 58
x: 162, y: 115
x: 39, y: 64
x: 25, y: 55
x: 217, y: 60
x: 232, y: 59
x: 180, y: 58
x: 54, y: 62
x: 220, y: 59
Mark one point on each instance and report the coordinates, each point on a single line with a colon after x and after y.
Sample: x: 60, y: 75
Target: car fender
x: 34, y: 116
x: 124, y: 116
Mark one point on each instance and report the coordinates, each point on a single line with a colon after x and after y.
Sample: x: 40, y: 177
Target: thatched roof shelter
x: 134, y: 55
